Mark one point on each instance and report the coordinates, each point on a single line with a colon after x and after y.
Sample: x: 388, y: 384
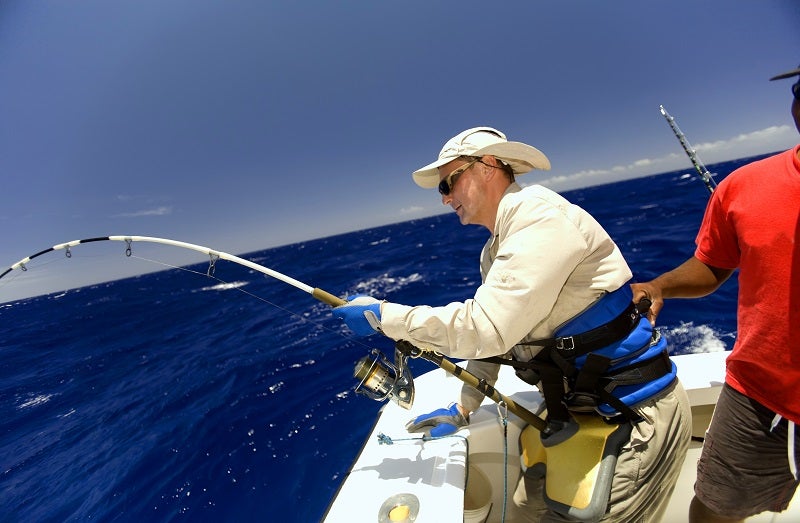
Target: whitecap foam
x: 385, y: 284
x: 693, y: 339
x: 34, y: 400
x: 224, y: 286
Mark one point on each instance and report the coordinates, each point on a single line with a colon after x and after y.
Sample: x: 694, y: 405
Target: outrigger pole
x: 706, y: 176
x: 323, y: 296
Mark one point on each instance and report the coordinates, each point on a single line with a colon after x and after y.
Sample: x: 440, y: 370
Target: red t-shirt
x: 753, y: 222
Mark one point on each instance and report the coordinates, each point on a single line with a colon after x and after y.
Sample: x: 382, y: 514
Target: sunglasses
x: 447, y: 183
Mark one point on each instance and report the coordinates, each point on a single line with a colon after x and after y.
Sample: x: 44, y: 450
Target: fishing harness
x: 608, y: 368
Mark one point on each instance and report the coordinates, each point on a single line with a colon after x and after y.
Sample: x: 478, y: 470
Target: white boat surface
x: 426, y: 480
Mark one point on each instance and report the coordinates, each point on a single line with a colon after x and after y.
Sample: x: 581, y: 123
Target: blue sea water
x: 178, y: 397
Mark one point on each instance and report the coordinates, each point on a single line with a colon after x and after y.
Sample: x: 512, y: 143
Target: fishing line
x: 296, y: 315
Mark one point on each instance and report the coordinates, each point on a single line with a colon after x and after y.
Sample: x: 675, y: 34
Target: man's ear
x: 489, y: 166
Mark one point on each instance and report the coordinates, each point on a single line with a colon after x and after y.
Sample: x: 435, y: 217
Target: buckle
x: 566, y: 343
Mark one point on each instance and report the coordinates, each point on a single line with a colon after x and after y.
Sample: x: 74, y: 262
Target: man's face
x: 465, y: 196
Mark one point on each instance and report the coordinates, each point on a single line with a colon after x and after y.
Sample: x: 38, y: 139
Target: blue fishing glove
x: 440, y: 422
x: 361, y: 313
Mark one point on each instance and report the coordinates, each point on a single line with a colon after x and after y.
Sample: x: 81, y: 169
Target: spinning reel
x: 380, y: 379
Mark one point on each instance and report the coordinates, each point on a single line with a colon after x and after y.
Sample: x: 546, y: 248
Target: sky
x: 247, y: 124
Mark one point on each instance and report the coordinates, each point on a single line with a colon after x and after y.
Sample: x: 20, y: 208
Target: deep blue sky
x: 243, y: 125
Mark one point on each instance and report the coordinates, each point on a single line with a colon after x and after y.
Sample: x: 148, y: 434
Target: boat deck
x: 428, y: 477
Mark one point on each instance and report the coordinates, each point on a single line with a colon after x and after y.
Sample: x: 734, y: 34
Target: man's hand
x: 440, y: 422
x: 362, y: 314
x: 652, y: 293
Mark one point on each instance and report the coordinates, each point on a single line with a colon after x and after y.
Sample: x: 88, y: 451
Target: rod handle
x: 326, y: 297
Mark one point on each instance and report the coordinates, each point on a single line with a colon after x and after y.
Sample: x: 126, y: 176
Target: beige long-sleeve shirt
x: 548, y: 261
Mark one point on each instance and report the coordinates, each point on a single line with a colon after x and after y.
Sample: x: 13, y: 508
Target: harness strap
x: 591, y: 372
x: 564, y: 385
x: 553, y: 391
x: 550, y: 371
x: 592, y: 382
x: 636, y: 373
x: 633, y: 374
x: 576, y: 345
x: 625, y: 410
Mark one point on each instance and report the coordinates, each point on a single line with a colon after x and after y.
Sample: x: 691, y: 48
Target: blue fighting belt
x: 625, y: 372
x: 609, y: 358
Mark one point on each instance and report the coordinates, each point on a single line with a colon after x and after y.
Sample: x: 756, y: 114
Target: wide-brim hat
x: 480, y: 141
x: 787, y: 74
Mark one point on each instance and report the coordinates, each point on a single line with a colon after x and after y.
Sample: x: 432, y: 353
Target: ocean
x: 174, y: 396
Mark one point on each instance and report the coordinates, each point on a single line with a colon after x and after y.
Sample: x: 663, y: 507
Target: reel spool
x: 380, y: 379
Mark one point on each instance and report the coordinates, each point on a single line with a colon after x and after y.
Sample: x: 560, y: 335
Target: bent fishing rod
x: 214, y: 255
x: 379, y: 378
x: 705, y: 176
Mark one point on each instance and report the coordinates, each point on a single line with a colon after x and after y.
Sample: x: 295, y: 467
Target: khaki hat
x: 479, y: 141
x: 787, y: 74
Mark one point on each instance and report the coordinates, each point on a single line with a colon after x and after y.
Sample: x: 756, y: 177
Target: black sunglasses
x: 447, y: 183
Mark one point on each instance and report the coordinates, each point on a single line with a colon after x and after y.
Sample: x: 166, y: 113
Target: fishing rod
x: 706, y: 176
x: 214, y: 255
x: 379, y: 378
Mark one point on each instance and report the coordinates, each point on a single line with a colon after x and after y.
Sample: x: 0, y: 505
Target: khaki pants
x: 647, y: 469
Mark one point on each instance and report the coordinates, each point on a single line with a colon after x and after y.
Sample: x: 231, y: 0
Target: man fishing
x: 749, y: 462
x: 554, y: 301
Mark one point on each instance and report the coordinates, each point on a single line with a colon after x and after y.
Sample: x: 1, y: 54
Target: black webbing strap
x: 644, y: 371
x: 592, y: 380
x: 641, y: 372
x: 590, y: 373
x: 555, y: 368
x: 571, y: 347
x: 552, y: 388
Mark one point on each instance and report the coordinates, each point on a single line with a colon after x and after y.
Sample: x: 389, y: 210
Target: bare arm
x: 692, y: 279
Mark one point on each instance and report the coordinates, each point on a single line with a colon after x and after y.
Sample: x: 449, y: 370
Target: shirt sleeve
x: 717, y: 243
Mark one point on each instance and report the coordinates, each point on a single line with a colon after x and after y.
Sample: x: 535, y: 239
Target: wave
x: 693, y: 339
x: 222, y: 286
x: 385, y: 284
x: 34, y: 400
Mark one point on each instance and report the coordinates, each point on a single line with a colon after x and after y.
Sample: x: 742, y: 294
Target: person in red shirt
x: 749, y: 463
